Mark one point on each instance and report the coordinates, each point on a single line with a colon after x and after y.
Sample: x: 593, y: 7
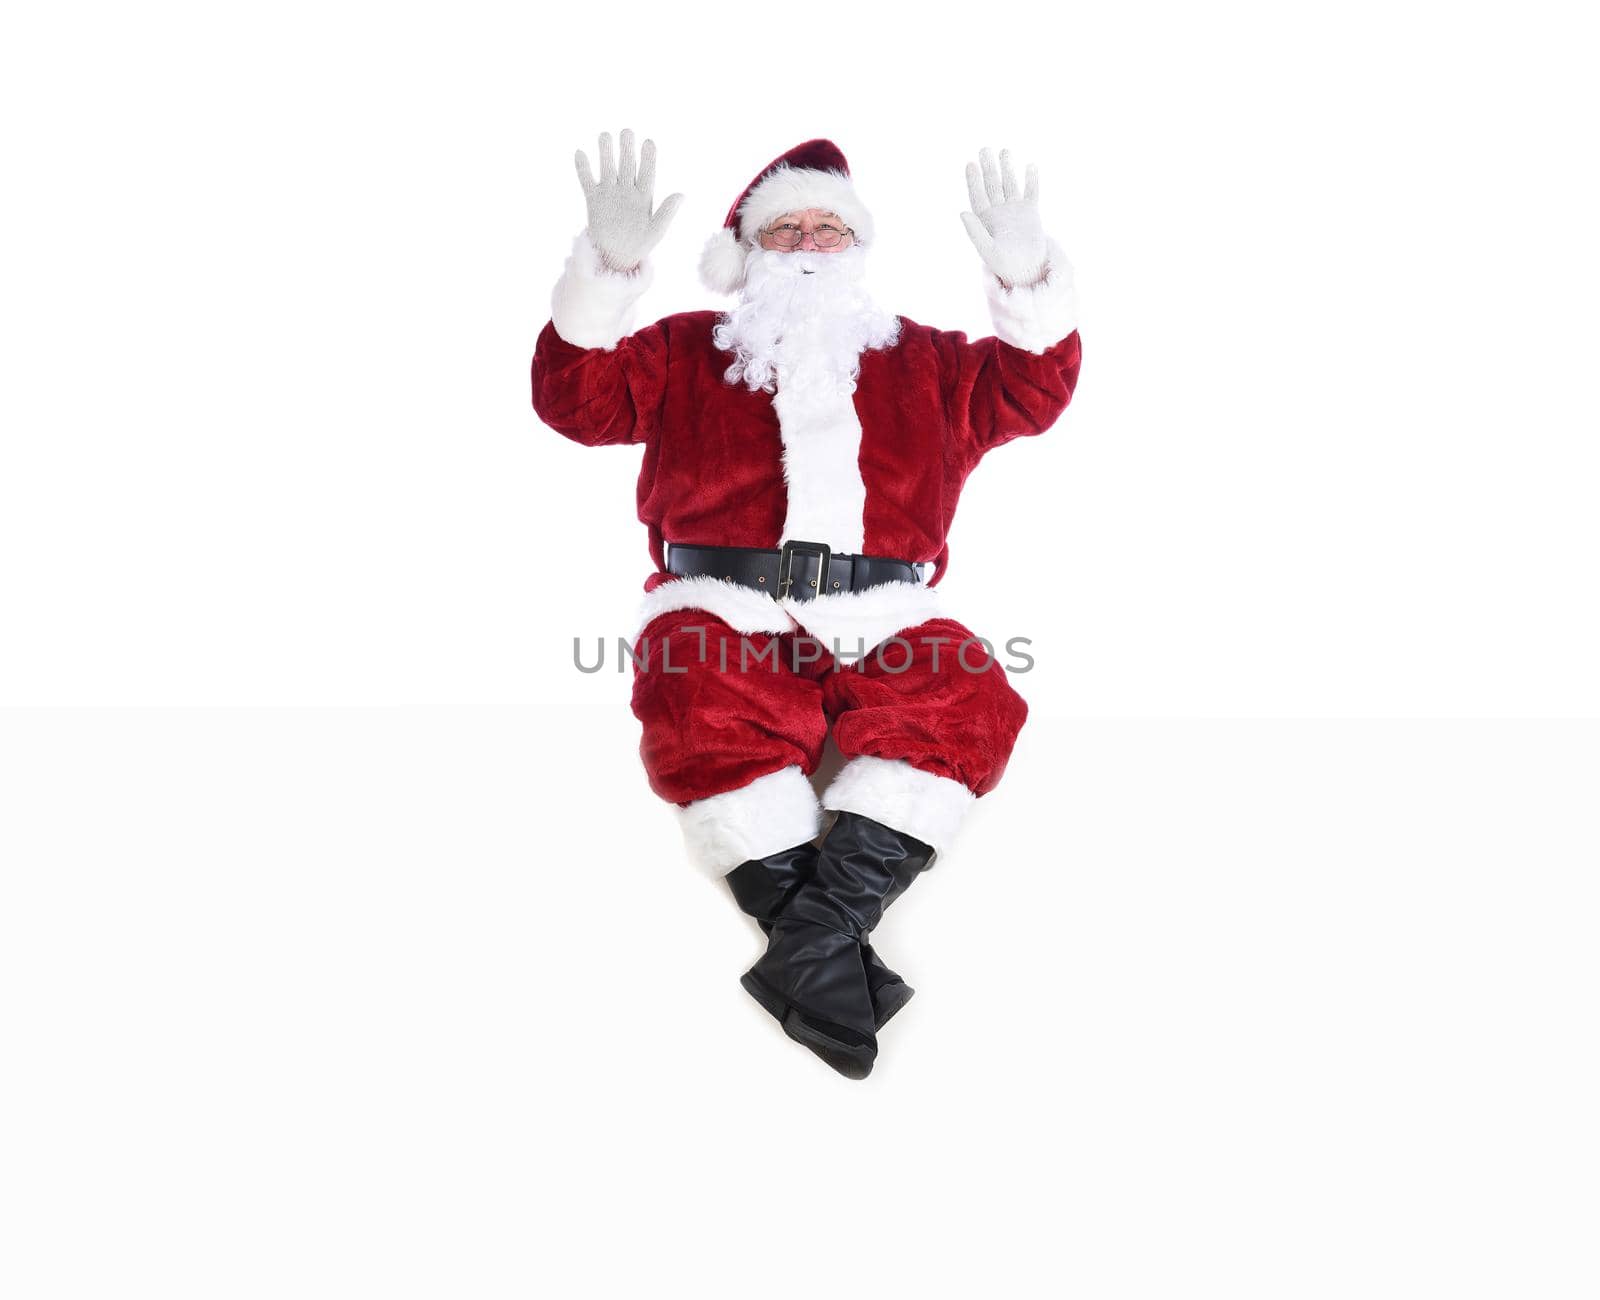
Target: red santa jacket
x: 724, y: 466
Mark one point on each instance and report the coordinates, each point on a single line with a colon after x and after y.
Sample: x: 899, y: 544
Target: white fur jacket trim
x: 849, y: 624
x: 592, y: 307
x: 1035, y: 316
x: 741, y: 608
x: 852, y: 623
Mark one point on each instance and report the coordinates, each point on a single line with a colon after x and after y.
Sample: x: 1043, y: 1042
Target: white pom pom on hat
x: 722, y: 262
x: 811, y: 175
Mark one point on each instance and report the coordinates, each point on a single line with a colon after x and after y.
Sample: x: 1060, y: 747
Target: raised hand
x: 1004, y: 222
x: 622, y: 225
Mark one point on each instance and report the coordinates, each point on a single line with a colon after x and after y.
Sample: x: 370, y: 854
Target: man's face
x: 794, y: 231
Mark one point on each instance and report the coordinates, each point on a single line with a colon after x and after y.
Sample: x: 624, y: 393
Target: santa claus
x: 802, y: 457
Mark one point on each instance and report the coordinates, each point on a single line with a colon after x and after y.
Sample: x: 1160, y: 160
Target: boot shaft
x: 862, y: 867
x: 762, y: 886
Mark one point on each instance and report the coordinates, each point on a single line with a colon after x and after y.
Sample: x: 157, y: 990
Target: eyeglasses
x: 788, y: 236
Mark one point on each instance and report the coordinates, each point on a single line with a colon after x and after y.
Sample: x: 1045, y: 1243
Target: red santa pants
x: 733, y: 723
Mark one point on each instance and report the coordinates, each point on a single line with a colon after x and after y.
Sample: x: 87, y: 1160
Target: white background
x: 1269, y: 970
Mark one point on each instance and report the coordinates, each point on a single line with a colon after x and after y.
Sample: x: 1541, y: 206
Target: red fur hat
x: 811, y: 175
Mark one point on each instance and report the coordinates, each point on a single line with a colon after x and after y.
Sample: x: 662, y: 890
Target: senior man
x: 803, y: 454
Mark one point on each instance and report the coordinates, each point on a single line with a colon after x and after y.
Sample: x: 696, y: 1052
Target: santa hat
x: 811, y: 175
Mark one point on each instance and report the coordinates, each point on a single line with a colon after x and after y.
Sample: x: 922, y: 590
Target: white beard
x: 803, y: 318
x: 802, y: 323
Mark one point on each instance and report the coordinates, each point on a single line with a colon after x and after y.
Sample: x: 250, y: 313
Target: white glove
x: 1003, y: 224
x: 621, y: 225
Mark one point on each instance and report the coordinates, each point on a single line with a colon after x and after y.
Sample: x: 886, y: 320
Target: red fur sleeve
x: 601, y: 396
x: 997, y: 392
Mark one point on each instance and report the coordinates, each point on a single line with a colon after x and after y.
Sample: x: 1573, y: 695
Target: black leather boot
x: 813, y: 977
x: 763, y: 886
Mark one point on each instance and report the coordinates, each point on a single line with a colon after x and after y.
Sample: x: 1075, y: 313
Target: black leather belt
x: 797, y: 569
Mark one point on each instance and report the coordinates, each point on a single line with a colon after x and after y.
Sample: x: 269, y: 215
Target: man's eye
x: 829, y: 230
x: 782, y: 228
